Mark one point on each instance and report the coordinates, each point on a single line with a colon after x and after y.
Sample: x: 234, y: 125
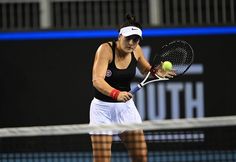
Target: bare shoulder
x: 104, y: 47
x: 138, y: 52
x: 104, y: 51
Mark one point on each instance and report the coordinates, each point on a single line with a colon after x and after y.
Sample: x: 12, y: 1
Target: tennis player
x: 113, y: 69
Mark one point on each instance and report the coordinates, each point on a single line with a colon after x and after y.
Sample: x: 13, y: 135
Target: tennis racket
x: 178, y: 52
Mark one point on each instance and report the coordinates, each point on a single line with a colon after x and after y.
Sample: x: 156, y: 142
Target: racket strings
x: 180, y: 54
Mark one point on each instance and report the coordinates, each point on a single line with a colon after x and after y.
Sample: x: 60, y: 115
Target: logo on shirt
x: 108, y: 73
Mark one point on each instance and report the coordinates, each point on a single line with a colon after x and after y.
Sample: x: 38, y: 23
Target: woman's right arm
x: 102, y: 58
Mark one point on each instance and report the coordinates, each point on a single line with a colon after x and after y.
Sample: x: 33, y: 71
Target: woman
x: 113, y: 70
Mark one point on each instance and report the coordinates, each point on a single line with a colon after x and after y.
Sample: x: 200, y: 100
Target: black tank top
x: 118, y: 78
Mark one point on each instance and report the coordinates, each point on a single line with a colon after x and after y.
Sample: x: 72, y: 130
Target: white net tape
x: 146, y: 125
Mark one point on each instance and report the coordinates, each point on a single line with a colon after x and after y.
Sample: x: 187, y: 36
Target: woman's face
x: 129, y: 43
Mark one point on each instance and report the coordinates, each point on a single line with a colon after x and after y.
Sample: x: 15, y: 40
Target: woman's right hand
x: 124, y: 96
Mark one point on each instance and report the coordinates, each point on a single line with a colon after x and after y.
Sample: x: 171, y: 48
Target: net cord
x: 146, y: 125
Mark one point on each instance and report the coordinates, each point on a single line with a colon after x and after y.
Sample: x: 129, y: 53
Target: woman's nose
x: 131, y: 41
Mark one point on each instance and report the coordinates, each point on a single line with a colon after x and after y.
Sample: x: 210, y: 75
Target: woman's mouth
x: 130, y: 48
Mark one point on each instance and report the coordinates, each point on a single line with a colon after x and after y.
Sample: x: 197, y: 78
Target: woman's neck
x: 120, y: 52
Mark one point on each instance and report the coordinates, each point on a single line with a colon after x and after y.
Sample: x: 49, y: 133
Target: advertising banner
x: 47, y: 82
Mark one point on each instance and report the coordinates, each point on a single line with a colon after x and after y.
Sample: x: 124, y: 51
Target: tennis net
x: 210, y: 139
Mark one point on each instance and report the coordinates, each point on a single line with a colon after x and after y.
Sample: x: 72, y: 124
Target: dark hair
x: 130, y: 21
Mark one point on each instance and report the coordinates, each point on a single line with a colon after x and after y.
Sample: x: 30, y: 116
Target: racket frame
x: 158, y: 78
x: 145, y: 82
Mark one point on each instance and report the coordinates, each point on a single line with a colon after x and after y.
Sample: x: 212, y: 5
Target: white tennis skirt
x: 113, y: 113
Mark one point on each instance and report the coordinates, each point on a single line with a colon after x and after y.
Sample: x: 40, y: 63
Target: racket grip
x: 133, y: 91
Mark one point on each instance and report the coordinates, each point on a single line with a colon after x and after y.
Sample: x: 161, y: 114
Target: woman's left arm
x: 144, y: 66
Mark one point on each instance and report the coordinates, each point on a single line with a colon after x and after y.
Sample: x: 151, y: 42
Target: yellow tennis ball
x: 167, y: 65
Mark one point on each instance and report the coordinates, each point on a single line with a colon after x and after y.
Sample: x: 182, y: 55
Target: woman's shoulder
x: 138, y: 52
x: 106, y: 45
x: 104, y: 50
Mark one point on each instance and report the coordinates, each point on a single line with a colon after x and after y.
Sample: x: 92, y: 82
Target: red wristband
x: 114, y: 94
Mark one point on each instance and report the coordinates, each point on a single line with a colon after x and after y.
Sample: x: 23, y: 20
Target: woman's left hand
x: 163, y: 73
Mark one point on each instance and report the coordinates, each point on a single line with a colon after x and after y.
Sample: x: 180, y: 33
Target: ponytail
x: 130, y: 21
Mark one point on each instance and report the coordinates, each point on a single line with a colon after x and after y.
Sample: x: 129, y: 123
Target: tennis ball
x: 167, y: 65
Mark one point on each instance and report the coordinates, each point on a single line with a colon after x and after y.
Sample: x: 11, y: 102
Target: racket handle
x: 133, y: 91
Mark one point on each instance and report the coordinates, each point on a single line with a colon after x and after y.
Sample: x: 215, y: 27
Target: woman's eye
x: 131, y: 38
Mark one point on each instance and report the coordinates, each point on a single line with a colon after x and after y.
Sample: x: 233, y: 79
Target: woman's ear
x: 119, y: 36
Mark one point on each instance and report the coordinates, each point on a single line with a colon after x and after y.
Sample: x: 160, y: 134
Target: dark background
x: 48, y: 82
